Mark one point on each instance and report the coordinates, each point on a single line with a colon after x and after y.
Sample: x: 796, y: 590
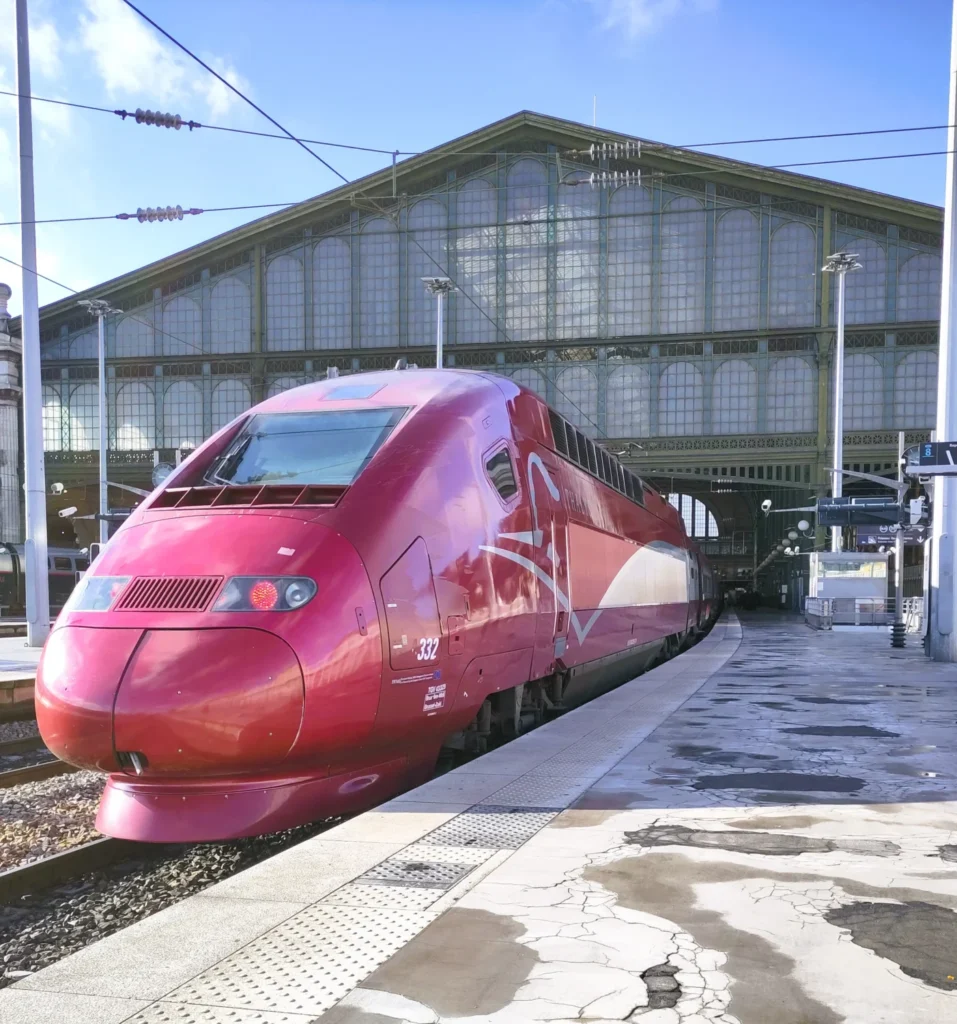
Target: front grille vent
x: 169, y: 593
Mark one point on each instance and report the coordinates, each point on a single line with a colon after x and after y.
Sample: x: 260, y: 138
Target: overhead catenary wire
x: 232, y: 88
x: 721, y: 205
x: 655, y: 147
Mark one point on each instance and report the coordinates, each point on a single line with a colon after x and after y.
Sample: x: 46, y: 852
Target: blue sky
x: 411, y: 74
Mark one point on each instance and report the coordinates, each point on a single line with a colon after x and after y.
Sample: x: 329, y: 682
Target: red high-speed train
x: 343, y: 580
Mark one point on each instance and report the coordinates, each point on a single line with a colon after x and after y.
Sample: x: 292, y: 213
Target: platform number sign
x: 428, y: 648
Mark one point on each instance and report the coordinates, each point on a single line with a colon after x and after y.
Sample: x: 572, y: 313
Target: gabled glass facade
x: 678, y: 308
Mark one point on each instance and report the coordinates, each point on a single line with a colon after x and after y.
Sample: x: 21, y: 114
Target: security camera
x: 766, y: 506
x: 65, y: 513
x: 57, y: 489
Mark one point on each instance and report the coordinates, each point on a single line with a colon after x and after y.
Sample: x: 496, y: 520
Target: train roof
x: 411, y: 387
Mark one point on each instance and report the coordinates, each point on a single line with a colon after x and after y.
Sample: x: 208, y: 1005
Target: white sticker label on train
x: 434, y: 699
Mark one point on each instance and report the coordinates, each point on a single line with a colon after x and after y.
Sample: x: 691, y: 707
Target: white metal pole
x: 899, y: 541
x: 837, y: 485
x: 101, y: 355
x: 37, y: 576
x: 943, y: 628
x: 439, y: 295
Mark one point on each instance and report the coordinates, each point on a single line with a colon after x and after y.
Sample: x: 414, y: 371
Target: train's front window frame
x: 327, y: 447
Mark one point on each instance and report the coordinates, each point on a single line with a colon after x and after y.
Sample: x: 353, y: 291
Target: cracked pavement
x: 779, y: 848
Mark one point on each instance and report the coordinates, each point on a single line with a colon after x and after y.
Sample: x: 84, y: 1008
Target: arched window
x: 183, y: 414
x: 792, y: 396
x: 629, y: 261
x: 476, y: 257
x: 680, y: 400
x: 426, y: 256
x: 865, y: 290
x: 628, y: 403
x: 576, y: 398
x: 918, y: 288
x: 737, y: 271
x: 52, y: 419
x: 51, y: 350
x: 791, y: 302
x: 683, y: 253
x: 526, y: 244
x: 85, y: 345
x: 698, y: 519
x: 332, y: 293
x: 576, y: 301
x: 531, y: 379
x: 231, y: 398
x: 230, y: 315
x: 84, y: 418
x: 182, y: 327
x: 134, y: 334
x: 915, y: 391
x: 135, y: 417
x: 379, y: 284
x: 285, y: 305
x: 863, y: 392
x: 734, y: 398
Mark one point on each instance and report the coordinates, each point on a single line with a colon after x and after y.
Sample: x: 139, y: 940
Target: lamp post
x: 943, y: 610
x: 840, y: 263
x: 34, y: 470
x: 439, y: 287
x: 100, y: 308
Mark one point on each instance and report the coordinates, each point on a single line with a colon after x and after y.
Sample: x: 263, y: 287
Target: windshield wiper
x: 229, y: 462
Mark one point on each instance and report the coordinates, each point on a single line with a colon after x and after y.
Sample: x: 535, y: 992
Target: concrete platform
x: 763, y: 831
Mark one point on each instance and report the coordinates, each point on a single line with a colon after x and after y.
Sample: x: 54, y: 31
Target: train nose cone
x: 77, y: 678
x: 209, y: 701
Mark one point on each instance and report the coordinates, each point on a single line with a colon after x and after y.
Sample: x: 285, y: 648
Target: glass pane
x: 305, y: 448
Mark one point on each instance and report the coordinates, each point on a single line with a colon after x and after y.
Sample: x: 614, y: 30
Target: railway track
x: 15, y: 883
x: 43, y: 766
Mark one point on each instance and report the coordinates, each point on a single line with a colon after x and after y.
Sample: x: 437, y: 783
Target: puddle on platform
x: 761, y: 843
x: 841, y: 730
x: 919, y: 937
x: 828, y: 700
x: 782, y: 781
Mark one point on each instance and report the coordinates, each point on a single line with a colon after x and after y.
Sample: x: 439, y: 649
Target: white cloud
x: 639, y: 18
x: 135, y: 62
x: 45, y: 48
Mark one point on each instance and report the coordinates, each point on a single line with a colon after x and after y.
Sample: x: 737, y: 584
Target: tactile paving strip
x: 180, y: 1013
x: 394, y: 897
x: 422, y: 874
x: 536, y: 790
x: 491, y: 826
x: 307, y: 963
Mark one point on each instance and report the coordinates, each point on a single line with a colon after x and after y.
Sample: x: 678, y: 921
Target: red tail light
x: 263, y: 596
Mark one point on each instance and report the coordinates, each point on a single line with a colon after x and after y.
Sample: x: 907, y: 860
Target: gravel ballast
x: 42, y: 929
x: 40, y: 818
x: 18, y: 730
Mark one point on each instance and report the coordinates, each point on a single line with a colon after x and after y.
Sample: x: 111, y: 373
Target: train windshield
x: 305, y: 448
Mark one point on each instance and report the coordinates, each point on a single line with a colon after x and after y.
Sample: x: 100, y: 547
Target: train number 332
x: 428, y: 648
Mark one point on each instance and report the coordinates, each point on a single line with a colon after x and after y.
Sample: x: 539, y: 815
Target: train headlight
x: 297, y: 593
x: 95, y: 593
x: 265, y: 594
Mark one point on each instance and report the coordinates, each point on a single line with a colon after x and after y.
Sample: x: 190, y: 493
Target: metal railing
x: 827, y: 612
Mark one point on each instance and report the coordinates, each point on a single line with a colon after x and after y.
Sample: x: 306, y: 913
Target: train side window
x: 82, y: 564
x: 62, y: 564
x: 500, y: 472
x: 6, y: 561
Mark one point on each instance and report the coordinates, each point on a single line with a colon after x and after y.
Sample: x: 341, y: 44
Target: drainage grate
x: 168, y: 593
x: 491, y: 826
x: 423, y: 874
x: 306, y: 964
